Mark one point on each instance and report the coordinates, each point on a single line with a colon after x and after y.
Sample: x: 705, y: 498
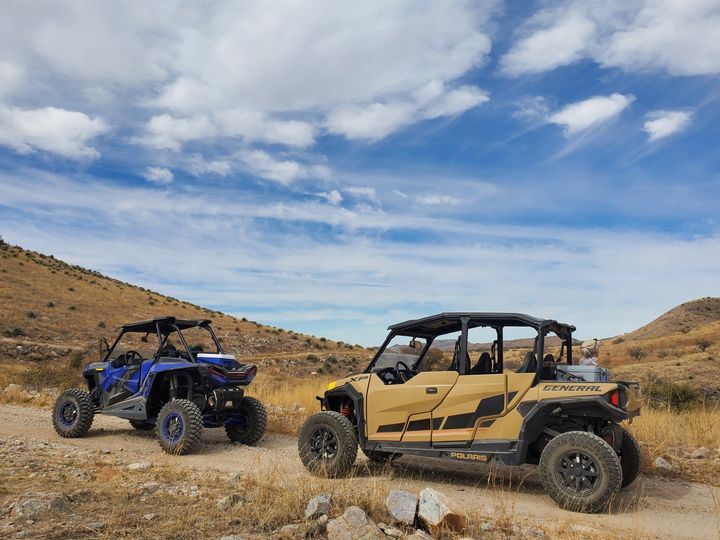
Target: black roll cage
x: 430, y: 328
x: 162, y: 328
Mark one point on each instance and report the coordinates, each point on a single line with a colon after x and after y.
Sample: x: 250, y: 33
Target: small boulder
x: 354, y: 524
x: 140, y: 466
x: 700, y: 453
x: 662, y: 463
x: 402, y: 505
x: 149, y: 517
x: 96, y: 525
x: 319, y: 505
x: 437, y: 511
x: 289, y: 531
x: 419, y: 535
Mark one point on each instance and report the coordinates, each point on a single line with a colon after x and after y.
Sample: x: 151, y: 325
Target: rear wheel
x: 580, y: 471
x: 73, y: 413
x: 252, y: 421
x: 630, y: 457
x: 141, y: 425
x: 179, y: 426
x: 327, y: 444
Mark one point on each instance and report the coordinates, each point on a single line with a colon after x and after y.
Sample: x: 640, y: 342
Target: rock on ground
x: 662, y: 463
x: 437, y: 511
x: 354, y: 524
x: 700, y: 453
x: 402, y: 506
x: 419, y: 535
x: 318, y: 506
x: 39, y: 504
x: 141, y: 466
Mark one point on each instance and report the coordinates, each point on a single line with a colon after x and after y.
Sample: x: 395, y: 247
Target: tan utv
x: 413, y: 399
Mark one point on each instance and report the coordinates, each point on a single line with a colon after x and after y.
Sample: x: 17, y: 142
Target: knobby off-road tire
x: 73, y: 413
x: 380, y: 457
x: 327, y: 444
x: 580, y: 471
x: 254, y: 418
x: 630, y: 458
x: 179, y: 426
x: 141, y: 425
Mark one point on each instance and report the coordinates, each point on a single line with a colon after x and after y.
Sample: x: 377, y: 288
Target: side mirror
x: 414, y: 344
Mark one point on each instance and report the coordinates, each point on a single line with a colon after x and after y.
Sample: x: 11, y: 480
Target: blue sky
x: 334, y: 169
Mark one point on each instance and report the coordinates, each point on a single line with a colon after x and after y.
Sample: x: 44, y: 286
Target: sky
x: 334, y: 168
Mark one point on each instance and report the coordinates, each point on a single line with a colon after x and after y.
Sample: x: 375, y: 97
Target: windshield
x: 145, y: 345
x: 400, y: 350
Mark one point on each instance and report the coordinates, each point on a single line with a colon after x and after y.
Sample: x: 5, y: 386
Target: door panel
x: 472, y: 399
x: 388, y: 407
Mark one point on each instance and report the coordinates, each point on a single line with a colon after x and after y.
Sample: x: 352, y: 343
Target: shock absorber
x: 347, y: 409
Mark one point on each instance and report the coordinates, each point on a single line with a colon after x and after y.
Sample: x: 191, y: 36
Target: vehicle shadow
x: 523, y: 480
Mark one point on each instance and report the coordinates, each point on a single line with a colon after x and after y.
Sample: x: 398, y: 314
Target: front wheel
x: 580, y: 471
x: 179, y: 426
x: 73, y: 413
x: 251, y: 419
x: 327, y: 444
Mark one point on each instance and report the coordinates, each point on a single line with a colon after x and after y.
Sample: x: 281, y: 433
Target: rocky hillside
x: 681, y: 318
x: 51, y: 310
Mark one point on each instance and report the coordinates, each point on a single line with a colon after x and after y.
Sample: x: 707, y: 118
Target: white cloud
x: 590, y: 112
x: 158, y: 175
x: 333, y: 196
x: 532, y: 108
x: 199, y: 166
x: 284, y: 171
x: 50, y: 129
x: 634, y: 35
x: 437, y: 199
x: 169, y: 133
x: 377, y: 120
x: 12, y: 78
x: 661, y: 124
x: 363, y: 192
x: 239, y: 70
x: 367, y: 280
x: 400, y: 194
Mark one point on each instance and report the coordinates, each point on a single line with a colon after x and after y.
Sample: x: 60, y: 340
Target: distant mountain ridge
x: 681, y: 318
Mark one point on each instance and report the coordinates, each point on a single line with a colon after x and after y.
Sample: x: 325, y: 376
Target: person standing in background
x: 590, y: 351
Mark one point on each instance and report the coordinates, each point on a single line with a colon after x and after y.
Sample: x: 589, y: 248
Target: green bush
x: 101, y: 324
x: 15, y: 332
x: 312, y: 357
x: 676, y: 396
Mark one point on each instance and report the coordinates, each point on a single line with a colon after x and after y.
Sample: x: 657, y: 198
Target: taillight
x: 615, y: 398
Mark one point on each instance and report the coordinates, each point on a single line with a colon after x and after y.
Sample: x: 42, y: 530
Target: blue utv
x: 170, y: 375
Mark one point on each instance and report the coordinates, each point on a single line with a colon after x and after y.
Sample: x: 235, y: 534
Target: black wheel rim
x: 68, y: 413
x: 577, y: 473
x: 323, y: 444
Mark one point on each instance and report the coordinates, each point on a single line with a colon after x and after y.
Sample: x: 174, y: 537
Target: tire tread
x: 86, y: 413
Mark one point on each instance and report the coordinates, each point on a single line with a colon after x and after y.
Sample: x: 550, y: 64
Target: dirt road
x: 653, y: 507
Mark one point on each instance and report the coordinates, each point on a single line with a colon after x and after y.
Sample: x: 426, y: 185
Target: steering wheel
x: 130, y: 356
x: 403, y: 378
x: 387, y: 375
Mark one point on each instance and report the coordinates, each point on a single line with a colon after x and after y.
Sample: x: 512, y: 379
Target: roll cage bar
x: 429, y: 328
x: 162, y: 327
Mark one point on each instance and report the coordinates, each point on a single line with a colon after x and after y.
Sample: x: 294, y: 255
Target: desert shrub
x: 703, y: 344
x: 308, y: 341
x: 39, y: 377
x: 312, y: 357
x: 51, y: 304
x: 31, y: 315
x: 331, y: 359
x: 618, y: 341
x: 295, y: 337
x: 636, y: 353
x: 72, y: 308
x: 76, y: 359
x: 662, y: 354
x: 101, y: 324
x: 676, y: 396
x: 323, y: 339
x: 15, y: 332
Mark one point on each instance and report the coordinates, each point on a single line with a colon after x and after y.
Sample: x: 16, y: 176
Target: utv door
x: 388, y: 407
x: 474, y: 403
